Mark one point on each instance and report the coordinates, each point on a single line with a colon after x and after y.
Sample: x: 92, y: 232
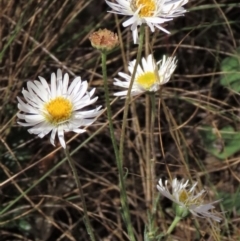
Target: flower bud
x: 104, y: 40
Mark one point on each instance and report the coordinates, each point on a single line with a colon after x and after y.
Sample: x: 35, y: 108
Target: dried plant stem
x: 123, y: 192
x: 148, y: 152
x: 140, y: 145
x: 153, y: 158
x: 81, y: 194
x: 124, y: 123
x: 128, y: 97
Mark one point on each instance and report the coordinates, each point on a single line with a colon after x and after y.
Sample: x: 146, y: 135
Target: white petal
x: 79, y: 131
x: 53, y: 135
x: 130, y: 21
x: 61, y: 137
x: 53, y: 85
x: 44, y: 83
x: 65, y: 83
x: 76, y: 82
x: 79, y: 94
x: 59, y: 75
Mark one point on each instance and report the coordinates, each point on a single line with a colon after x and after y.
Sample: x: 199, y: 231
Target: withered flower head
x: 104, y: 40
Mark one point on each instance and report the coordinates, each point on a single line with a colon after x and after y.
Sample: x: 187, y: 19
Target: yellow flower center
x: 186, y: 198
x: 183, y: 196
x: 147, y: 80
x: 147, y: 7
x: 58, y: 110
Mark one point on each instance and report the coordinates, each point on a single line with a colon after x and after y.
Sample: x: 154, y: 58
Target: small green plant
x: 230, y: 67
x: 221, y: 143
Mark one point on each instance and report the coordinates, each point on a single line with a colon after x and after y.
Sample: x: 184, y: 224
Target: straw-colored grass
x: 39, y: 200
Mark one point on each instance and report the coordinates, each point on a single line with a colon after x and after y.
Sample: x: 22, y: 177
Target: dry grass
x: 37, y: 37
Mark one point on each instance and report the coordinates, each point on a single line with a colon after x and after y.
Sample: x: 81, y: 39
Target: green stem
x: 173, y: 225
x: 127, y: 101
x: 109, y: 112
x: 81, y: 194
x: 123, y: 193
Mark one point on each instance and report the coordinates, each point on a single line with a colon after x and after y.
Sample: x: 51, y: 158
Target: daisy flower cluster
x: 57, y: 106
x: 150, y: 74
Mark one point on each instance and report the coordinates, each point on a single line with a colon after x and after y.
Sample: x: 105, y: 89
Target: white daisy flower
x: 150, y: 12
x: 57, y: 108
x: 186, y: 198
x: 148, y: 77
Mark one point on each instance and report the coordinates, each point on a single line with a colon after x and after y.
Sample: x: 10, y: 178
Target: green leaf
x: 231, y: 68
x: 230, y: 201
x: 24, y: 225
x: 221, y: 144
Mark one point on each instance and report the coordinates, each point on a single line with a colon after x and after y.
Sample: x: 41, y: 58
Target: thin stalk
x: 140, y: 145
x: 109, y: 111
x: 128, y: 97
x: 123, y: 193
x: 81, y: 194
x: 173, y: 225
x: 153, y: 160
x: 148, y: 151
